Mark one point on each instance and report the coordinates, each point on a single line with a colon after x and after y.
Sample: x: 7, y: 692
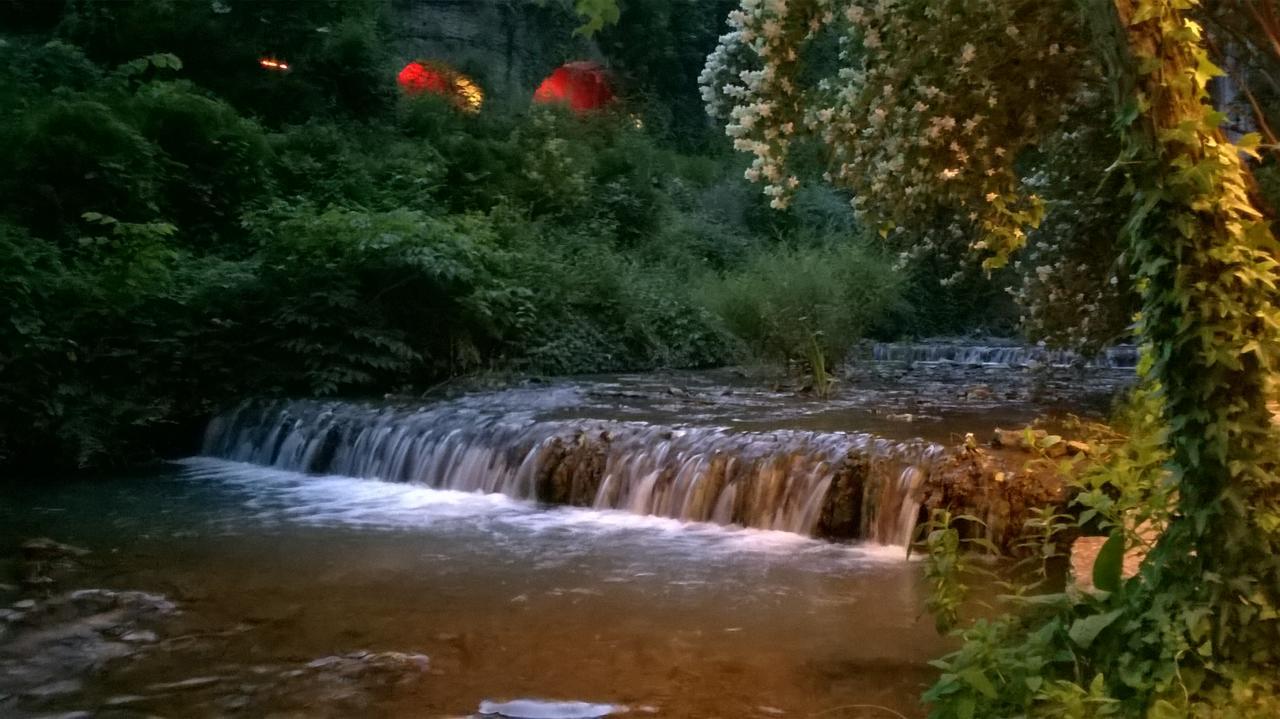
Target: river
x: 304, y: 583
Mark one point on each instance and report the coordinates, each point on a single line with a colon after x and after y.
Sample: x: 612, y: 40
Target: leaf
x: 1083, y: 631
x: 1109, y: 564
x: 596, y: 14
x: 976, y: 679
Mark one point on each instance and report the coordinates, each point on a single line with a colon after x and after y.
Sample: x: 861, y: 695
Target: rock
x: 841, y: 516
x: 192, y: 683
x: 1000, y: 490
x: 44, y: 549
x: 978, y: 392
x: 52, y: 643
x: 141, y: 636
x: 538, y: 709
x: 1075, y: 447
x: 37, y: 582
x: 1017, y: 438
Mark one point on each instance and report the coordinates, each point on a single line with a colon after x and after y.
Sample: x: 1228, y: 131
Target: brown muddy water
x: 392, y: 560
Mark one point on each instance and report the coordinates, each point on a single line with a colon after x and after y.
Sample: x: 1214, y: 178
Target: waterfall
x: 828, y: 484
x: 1117, y: 357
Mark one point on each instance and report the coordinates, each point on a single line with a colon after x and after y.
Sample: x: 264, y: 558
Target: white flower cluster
x: 750, y: 82
x: 923, y: 117
x: 927, y: 109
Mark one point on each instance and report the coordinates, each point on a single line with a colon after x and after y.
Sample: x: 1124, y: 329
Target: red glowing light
x: 273, y: 64
x: 583, y: 85
x: 418, y: 77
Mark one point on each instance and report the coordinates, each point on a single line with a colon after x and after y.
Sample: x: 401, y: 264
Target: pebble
x: 192, y: 683
x: 141, y: 636
x: 537, y: 709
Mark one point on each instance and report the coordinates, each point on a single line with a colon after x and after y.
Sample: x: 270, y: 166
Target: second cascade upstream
x: 827, y: 484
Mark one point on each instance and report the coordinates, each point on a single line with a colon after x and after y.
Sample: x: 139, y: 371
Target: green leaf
x: 1109, y: 564
x: 596, y: 14
x: 976, y: 679
x: 1083, y: 631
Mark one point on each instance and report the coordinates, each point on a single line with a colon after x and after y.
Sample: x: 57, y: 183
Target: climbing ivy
x: 917, y: 125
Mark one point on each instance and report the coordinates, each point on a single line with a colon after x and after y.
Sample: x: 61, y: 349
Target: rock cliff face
x: 507, y: 46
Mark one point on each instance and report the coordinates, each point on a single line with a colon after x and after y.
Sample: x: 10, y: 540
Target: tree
x: 935, y: 108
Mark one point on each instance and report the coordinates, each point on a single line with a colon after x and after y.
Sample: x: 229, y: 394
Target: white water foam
x: 280, y: 496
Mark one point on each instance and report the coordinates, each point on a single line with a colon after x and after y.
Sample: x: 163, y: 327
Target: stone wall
x: 506, y: 46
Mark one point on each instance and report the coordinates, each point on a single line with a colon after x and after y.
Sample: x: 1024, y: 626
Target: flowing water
x: 786, y: 480
x: 508, y: 600
x: 648, y: 544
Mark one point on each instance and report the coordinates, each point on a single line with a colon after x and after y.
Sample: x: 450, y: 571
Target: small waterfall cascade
x: 1116, y: 357
x: 826, y: 484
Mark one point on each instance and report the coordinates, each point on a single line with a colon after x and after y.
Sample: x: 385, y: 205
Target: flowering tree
x: 936, y: 108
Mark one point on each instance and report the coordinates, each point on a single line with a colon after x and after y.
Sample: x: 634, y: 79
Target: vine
x: 931, y: 107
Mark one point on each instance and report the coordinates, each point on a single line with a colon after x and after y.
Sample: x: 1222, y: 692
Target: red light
x: 416, y: 78
x: 582, y: 85
x: 272, y: 64
x: 438, y: 79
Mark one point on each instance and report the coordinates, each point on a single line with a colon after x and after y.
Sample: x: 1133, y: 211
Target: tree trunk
x: 1207, y: 261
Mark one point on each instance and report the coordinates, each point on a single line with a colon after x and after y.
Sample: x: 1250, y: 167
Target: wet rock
x: 841, y: 516
x: 1000, y: 490
x: 38, y: 582
x: 537, y: 709
x: 49, y: 645
x: 44, y: 549
x: 143, y: 636
x: 571, y: 468
x: 977, y: 392
x: 333, y: 686
x: 45, y: 561
x: 192, y: 683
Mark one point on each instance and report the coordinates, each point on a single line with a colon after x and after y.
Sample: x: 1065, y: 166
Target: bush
x: 215, y: 162
x: 360, y: 301
x: 76, y: 155
x: 790, y: 303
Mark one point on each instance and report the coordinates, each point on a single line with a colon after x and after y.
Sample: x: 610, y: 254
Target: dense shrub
x: 785, y: 303
x: 178, y: 236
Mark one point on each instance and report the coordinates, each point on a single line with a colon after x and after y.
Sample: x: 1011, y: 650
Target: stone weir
x: 834, y: 485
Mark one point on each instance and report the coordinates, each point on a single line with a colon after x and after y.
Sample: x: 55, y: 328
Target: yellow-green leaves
x: 596, y: 14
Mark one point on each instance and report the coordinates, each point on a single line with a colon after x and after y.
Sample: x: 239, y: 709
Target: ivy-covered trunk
x: 1207, y: 262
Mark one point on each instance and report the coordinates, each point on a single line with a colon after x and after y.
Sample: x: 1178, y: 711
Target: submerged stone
x: 537, y: 709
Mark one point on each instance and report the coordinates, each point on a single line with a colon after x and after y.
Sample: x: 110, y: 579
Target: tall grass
x: 805, y: 306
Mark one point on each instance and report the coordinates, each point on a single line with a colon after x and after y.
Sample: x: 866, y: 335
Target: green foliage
x: 73, y: 155
x: 807, y: 303
x: 165, y: 254
x: 359, y: 300
x: 215, y: 163
x: 596, y: 14
x: 948, y: 568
